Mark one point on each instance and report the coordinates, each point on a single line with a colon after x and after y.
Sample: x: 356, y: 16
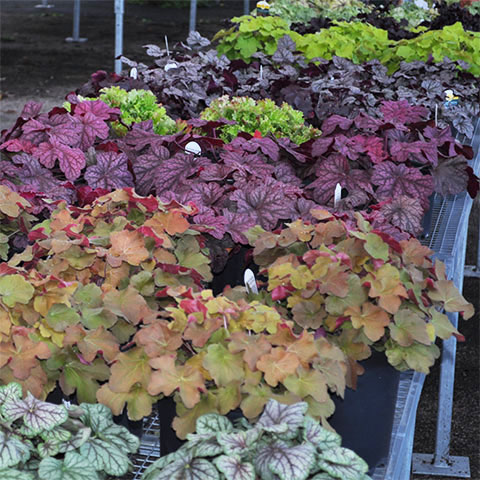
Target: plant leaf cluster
x: 359, y: 287
x: 40, y: 440
x: 284, y: 443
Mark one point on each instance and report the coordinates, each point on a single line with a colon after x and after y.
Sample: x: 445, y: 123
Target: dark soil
x: 36, y: 63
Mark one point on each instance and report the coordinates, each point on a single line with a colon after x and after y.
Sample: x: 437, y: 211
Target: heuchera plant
x: 40, y: 440
x: 88, y: 281
x: 262, y: 116
x: 284, y: 443
x: 359, y: 287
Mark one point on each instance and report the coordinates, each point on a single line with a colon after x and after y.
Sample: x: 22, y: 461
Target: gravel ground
x: 36, y: 63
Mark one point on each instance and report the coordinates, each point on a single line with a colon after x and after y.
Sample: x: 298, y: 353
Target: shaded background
x: 37, y: 64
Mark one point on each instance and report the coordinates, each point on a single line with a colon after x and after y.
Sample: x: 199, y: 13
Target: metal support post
x: 44, y: 4
x: 193, y: 15
x: 246, y: 7
x: 76, y: 25
x: 119, y: 11
x: 474, y: 270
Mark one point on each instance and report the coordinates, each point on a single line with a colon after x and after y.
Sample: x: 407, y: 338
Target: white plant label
x: 250, y: 282
x: 337, y: 195
x: 193, y: 147
x: 166, y: 45
x: 169, y: 66
x: 134, y: 73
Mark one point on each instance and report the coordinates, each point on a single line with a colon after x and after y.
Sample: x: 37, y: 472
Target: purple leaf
x: 145, y: 168
x: 31, y: 109
x: 405, y: 213
x: 141, y: 136
x: 64, y: 129
x: 265, y: 201
x: 37, y: 178
x: 71, y: 160
x: 336, y: 169
x: 216, y: 225
x: 401, y: 113
x: 331, y: 123
x: 35, y: 131
x: 450, y: 176
x: 237, y: 224
x: 285, y: 173
x: 321, y: 145
x: 418, y: 151
x: 302, y: 207
x: 438, y: 136
x: 292, y: 148
x: 89, y: 127
x: 366, y: 122
x: 203, y: 194
x: 215, y: 172
x: 349, y: 147
x: 98, y: 109
x: 8, y: 168
x: 110, y: 171
x: 395, y: 180
x: 373, y: 147
x: 266, y: 145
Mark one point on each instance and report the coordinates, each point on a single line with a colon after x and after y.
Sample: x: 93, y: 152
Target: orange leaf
x: 373, y: 319
x: 129, y: 247
x: 277, y: 365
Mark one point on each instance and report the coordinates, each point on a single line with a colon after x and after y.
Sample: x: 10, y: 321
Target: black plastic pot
x: 427, y: 220
x: 364, y: 418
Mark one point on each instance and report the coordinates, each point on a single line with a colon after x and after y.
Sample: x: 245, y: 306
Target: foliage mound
x: 40, y: 440
x: 284, y: 443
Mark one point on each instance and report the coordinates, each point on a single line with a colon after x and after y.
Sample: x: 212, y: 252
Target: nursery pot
x: 364, y: 418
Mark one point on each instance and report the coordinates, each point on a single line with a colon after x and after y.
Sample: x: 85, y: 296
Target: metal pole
x: 119, y: 11
x: 44, y: 4
x: 76, y: 24
x: 193, y: 15
x: 246, y: 7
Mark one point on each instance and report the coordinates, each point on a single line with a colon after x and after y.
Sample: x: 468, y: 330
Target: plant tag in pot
x: 337, y: 196
x: 193, y: 147
x: 250, y: 282
x: 169, y: 66
x: 134, y: 73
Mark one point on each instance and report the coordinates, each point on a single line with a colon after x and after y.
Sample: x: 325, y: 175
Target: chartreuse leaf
x: 73, y: 467
x: 37, y: 415
x: 453, y: 301
x: 186, y: 467
x: 14, y: 474
x: 12, y: 450
x: 223, y: 366
x: 15, y: 289
x: 318, y: 436
x: 277, y: 414
x: 417, y: 356
x: 234, y: 469
x: 409, y: 327
x: 443, y: 326
x: 284, y: 460
x: 342, y: 463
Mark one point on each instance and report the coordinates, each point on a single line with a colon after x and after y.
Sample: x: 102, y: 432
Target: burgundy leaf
x: 145, y: 168
x: 64, y: 129
x: 110, y: 172
x: 71, y: 160
x: 473, y: 183
x: 349, y: 147
x: 292, y: 148
x: 336, y: 169
x: 418, y: 151
x: 331, y: 123
x: 36, y: 177
x: 394, y: 180
x: 98, y: 109
x: 266, y: 145
x: 86, y: 195
x: 366, y: 122
x: 203, y: 195
x: 373, y: 147
x: 400, y: 112
x: 215, y: 225
x: 405, y: 213
x: 142, y: 135
x: 18, y: 145
x: 237, y: 224
x: 31, y: 109
x: 215, y: 172
x: 89, y: 127
x: 450, y: 176
x: 321, y: 145
x: 265, y: 201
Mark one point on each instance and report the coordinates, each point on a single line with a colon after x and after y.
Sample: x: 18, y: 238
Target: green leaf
x: 409, y: 327
x: 185, y: 467
x: 58, y: 433
x: 60, y: 316
x: 342, y: 463
x: 223, y: 366
x: 73, y: 467
x: 213, y: 423
x: 105, y: 456
x: 76, y: 441
x: 48, y: 449
x: 376, y: 247
x: 277, y: 415
x: 15, y: 289
x: 318, y: 436
x: 14, y: 474
x: 284, y: 460
x: 37, y: 415
x: 234, y: 469
x: 12, y: 450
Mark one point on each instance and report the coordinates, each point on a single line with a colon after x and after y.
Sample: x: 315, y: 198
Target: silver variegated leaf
x: 121, y: 438
x: 105, y: 456
x: 82, y: 435
x: 72, y: 467
x: 37, y: 415
x: 14, y: 474
x: 276, y: 414
x: 238, y: 443
x: 12, y: 391
x: 233, y: 468
x: 12, y: 450
x: 48, y: 449
x: 27, y: 432
x: 195, y: 439
x: 158, y: 465
x: 323, y: 476
x: 320, y: 437
x: 185, y: 467
x: 289, y: 463
x: 342, y: 463
x: 60, y: 434
x: 208, y: 448
x: 96, y: 416
x: 213, y: 423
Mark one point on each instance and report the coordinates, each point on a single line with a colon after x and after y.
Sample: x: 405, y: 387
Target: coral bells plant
x: 73, y: 299
x: 360, y: 288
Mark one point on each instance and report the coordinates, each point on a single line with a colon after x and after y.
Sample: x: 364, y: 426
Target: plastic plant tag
x: 436, y: 114
x: 193, y: 147
x: 169, y: 66
x: 450, y: 99
x: 261, y: 72
x: 250, y: 282
x: 337, y: 195
x: 263, y: 8
x: 134, y: 73
x: 166, y: 45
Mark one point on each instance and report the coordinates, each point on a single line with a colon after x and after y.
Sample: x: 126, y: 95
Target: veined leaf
x: 276, y: 414
x: 342, y: 463
x: 14, y: 474
x: 213, y: 423
x: 37, y: 415
x: 12, y: 391
x: 238, y: 443
x: 105, y: 456
x: 318, y: 436
x: 73, y: 467
x: 234, y: 469
x: 12, y: 450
